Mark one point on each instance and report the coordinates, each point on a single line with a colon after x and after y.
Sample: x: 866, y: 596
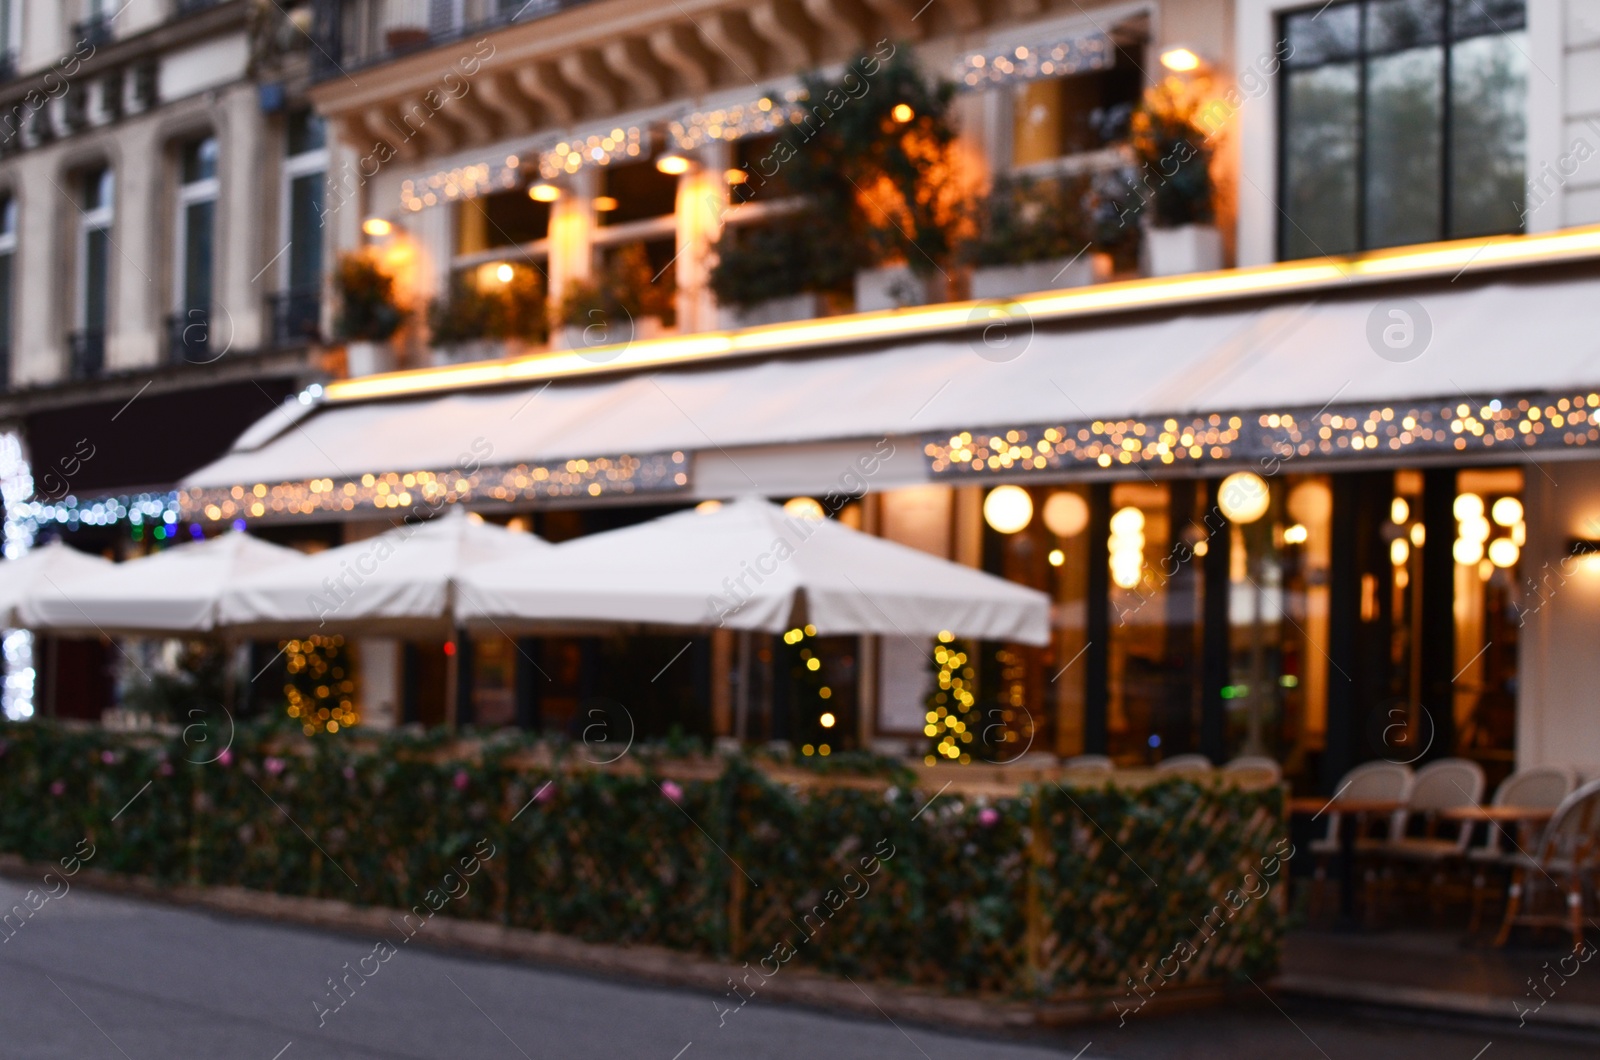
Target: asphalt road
x: 97, y: 977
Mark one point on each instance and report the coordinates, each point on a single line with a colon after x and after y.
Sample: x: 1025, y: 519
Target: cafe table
x: 1352, y: 813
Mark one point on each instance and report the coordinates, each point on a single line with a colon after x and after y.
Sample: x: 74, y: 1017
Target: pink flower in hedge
x: 58, y: 787
x: 349, y: 772
x: 226, y: 758
x: 460, y: 780
x: 107, y: 758
x: 546, y: 792
x: 275, y: 766
x: 988, y: 816
x: 672, y: 791
x: 165, y: 768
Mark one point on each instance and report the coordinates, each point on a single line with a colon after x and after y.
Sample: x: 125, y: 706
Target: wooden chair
x: 1261, y: 766
x: 1539, y: 786
x: 1565, y: 861
x: 1441, y: 785
x: 1185, y: 766
x: 1388, y: 781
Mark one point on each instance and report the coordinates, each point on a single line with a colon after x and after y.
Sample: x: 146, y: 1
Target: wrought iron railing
x: 86, y: 353
x: 189, y: 337
x: 296, y: 319
x: 350, y: 34
x: 96, y: 30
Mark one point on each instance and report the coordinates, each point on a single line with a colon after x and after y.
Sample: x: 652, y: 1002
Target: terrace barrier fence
x: 1005, y: 883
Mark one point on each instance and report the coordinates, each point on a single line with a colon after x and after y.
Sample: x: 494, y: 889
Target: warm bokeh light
x: 1244, y: 497
x: 903, y: 113
x: 1503, y: 552
x: 1180, y: 60
x: 735, y: 176
x: 544, y: 192
x: 805, y: 508
x: 1008, y: 509
x: 1468, y: 506
x: 1399, y: 511
x: 673, y: 164
x: 1066, y: 514
x: 1507, y: 511
x: 604, y: 203
x: 376, y: 227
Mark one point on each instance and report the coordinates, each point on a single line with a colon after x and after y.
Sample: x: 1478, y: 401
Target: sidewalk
x: 1442, y: 971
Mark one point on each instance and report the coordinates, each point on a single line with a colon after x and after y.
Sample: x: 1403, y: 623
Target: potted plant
x: 1175, y: 182
x: 880, y: 211
x: 626, y: 302
x: 774, y: 273
x: 369, y: 313
x: 484, y: 314
x: 1034, y: 235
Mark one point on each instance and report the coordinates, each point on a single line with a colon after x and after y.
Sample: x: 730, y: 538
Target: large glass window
x: 98, y: 191
x: 297, y: 308
x: 1403, y: 121
x: 189, y: 327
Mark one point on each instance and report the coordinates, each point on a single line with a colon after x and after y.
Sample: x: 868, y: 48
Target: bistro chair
x: 1541, y: 786
x: 1388, y: 781
x: 1442, y: 785
x: 1254, y: 766
x: 1565, y: 859
x: 1184, y: 766
x: 1089, y: 765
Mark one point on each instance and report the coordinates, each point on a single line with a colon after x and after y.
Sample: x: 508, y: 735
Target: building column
x: 140, y: 291
x: 239, y: 237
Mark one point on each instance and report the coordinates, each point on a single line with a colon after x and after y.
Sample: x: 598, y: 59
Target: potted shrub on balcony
x: 875, y: 173
x: 1175, y: 173
x: 369, y: 313
x: 484, y: 316
x: 625, y: 302
x: 1034, y: 235
x: 775, y: 273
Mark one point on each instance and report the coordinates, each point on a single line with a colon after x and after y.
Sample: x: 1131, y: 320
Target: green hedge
x: 1043, y: 892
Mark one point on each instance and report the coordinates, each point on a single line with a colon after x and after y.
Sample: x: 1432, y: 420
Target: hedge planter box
x: 804, y: 306
x: 1008, y: 281
x: 1021, y: 891
x: 1182, y: 250
x: 892, y: 287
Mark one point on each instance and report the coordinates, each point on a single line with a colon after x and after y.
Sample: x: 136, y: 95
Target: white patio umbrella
x: 44, y: 568
x: 403, y: 581
x: 749, y: 565
x: 173, y: 592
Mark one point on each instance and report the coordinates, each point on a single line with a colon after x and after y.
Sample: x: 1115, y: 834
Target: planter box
x: 474, y: 350
x: 576, y: 337
x: 1008, y: 281
x: 1176, y: 251
x: 892, y: 287
x: 368, y: 358
x: 804, y: 306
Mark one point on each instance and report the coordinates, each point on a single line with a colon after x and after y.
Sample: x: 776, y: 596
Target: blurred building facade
x: 1370, y: 301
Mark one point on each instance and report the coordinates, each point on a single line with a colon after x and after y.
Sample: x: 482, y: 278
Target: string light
x: 319, y: 690
x: 951, y: 704
x: 1052, y: 58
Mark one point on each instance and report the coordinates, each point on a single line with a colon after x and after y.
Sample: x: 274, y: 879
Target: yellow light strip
x: 1419, y: 262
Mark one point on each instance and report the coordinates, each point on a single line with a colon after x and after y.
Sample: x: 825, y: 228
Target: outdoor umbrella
x: 173, y: 592
x: 42, y: 570
x: 749, y: 565
x: 401, y: 582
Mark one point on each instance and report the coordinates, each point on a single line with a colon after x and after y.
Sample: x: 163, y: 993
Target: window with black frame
x: 1402, y: 121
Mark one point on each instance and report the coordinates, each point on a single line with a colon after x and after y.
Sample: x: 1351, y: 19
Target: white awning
x: 1517, y: 332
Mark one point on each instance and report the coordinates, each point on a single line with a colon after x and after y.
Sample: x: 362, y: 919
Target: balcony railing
x: 189, y: 7
x: 296, y: 318
x: 86, y: 354
x: 357, y: 33
x: 95, y: 30
x: 189, y: 337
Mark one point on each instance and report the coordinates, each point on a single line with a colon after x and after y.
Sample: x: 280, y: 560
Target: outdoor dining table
x: 1350, y: 812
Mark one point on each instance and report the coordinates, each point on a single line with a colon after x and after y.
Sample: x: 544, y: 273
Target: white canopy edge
x: 1518, y: 332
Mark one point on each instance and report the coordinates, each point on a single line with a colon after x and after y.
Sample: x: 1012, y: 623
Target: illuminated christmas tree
x: 319, y: 690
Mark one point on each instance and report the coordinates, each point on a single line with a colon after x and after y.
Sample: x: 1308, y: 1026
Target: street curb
x: 646, y: 964
x: 1582, y: 1017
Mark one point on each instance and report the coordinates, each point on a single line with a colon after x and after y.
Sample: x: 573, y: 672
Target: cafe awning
x: 1473, y: 339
